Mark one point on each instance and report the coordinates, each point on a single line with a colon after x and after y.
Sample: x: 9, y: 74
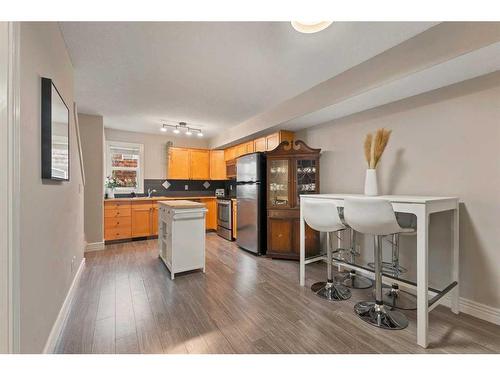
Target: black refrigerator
x: 251, y: 201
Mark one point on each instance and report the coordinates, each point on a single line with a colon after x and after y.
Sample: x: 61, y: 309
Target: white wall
x: 444, y: 143
x: 51, y: 214
x: 92, y: 137
x: 155, y: 148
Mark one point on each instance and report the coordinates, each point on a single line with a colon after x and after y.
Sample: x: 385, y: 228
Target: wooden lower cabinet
x: 211, y: 216
x: 283, y: 238
x: 117, y: 221
x: 141, y: 219
x: 235, y: 216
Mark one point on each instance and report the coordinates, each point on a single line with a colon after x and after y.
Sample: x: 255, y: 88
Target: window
x: 124, y: 162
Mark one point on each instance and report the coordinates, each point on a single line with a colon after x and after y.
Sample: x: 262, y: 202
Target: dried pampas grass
x: 374, y: 146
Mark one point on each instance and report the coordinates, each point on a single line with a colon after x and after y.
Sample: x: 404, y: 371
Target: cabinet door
x: 259, y: 145
x: 154, y: 220
x: 235, y: 216
x: 211, y: 215
x: 279, y: 240
x: 199, y: 161
x: 141, y: 219
x: 249, y: 147
x: 241, y: 150
x: 178, y: 163
x: 272, y: 141
x: 217, y: 165
x: 229, y: 153
x: 312, y: 240
x: 278, y: 183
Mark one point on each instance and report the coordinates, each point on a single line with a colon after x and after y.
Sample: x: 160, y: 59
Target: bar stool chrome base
x: 398, y: 299
x: 331, y: 291
x: 355, y: 281
x: 378, y: 316
x: 390, y: 268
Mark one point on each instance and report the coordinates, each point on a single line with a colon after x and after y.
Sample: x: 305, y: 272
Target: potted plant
x: 374, y: 148
x: 110, y: 184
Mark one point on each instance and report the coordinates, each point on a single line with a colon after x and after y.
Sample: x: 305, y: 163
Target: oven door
x: 224, y: 213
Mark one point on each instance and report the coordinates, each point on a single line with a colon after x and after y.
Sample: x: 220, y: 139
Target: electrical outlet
x: 186, y: 187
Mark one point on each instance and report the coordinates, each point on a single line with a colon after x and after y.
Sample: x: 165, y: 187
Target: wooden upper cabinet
x: 259, y: 145
x: 272, y: 141
x: 249, y: 148
x: 178, y: 163
x: 217, y: 165
x: 229, y: 153
x: 241, y: 150
x: 199, y: 161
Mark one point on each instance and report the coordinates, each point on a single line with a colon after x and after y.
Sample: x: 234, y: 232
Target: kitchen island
x: 181, y: 238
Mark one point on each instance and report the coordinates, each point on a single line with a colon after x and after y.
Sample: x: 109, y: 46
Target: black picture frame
x: 46, y: 132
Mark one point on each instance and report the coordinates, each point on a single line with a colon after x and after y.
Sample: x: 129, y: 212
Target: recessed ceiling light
x: 308, y: 27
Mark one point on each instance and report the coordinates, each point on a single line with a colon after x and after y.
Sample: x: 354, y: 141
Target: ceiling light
x: 308, y: 27
x: 180, y: 127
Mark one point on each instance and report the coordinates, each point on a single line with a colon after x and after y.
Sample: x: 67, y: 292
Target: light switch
x: 186, y: 187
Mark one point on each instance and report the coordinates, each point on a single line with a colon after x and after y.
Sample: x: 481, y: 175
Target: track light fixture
x: 181, y: 126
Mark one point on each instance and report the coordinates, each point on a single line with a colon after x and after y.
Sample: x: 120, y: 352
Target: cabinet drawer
x: 111, y: 205
x: 117, y: 234
x: 117, y: 212
x: 142, y: 205
x: 117, y: 222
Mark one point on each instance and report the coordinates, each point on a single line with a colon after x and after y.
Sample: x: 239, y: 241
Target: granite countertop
x: 157, y: 198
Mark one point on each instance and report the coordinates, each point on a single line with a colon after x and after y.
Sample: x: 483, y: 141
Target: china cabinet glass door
x: 307, y: 177
x: 279, y: 177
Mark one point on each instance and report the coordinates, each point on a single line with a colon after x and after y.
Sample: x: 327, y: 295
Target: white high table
x: 422, y: 208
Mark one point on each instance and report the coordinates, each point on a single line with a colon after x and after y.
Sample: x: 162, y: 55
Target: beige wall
x: 51, y: 214
x: 444, y: 142
x: 92, y: 137
x: 155, y: 148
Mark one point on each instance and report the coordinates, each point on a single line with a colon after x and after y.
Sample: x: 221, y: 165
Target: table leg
x: 422, y: 276
x: 302, y: 265
x: 455, y: 266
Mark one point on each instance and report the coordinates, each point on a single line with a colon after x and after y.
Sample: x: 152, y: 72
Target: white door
x: 4, y: 249
x: 9, y: 141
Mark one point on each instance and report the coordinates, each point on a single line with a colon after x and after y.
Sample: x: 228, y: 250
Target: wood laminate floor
x: 126, y: 303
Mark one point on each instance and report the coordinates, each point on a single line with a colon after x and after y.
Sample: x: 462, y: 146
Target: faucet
x: 151, y: 191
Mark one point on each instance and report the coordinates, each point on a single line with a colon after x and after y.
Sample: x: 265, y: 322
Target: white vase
x: 371, y: 185
x: 110, y: 192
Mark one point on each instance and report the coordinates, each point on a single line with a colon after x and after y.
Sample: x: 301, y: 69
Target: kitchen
x: 289, y: 198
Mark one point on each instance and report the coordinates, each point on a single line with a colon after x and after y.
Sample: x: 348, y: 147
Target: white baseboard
x: 95, y: 246
x: 50, y: 345
x: 475, y: 309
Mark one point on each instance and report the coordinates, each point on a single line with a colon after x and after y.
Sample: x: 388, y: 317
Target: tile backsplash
x: 177, y: 188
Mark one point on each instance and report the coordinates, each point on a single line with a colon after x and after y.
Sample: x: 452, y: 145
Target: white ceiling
x: 212, y: 74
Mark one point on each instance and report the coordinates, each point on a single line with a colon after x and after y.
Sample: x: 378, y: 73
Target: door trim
x: 9, y: 342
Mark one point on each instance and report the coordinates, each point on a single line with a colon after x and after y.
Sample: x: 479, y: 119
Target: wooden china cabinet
x: 292, y: 169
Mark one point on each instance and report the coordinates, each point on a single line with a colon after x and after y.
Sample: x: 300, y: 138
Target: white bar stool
x: 323, y: 216
x: 376, y: 217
